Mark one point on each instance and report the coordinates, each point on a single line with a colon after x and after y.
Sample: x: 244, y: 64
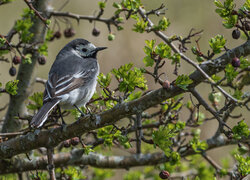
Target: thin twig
x: 172, y: 46
x: 44, y: 20
x: 51, y: 166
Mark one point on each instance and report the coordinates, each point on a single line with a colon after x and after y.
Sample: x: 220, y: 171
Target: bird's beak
x: 100, y: 48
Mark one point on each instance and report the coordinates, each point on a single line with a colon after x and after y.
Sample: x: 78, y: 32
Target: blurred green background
x: 128, y: 45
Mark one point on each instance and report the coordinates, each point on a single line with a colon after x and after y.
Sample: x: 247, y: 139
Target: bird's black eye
x: 84, y: 50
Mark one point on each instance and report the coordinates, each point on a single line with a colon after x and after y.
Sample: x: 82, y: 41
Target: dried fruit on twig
x: 236, y: 34
x: 12, y: 71
x: 96, y: 32
x: 16, y: 60
x: 236, y: 62
x: 66, y: 143
x: 164, y: 174
x: 74, y: 141
x: 41, y: 60
x: 57, y: 34
x: 70, y: 32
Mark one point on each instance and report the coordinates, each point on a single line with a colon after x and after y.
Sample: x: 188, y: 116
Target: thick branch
x: 77, y: 157
x: 52, y: 137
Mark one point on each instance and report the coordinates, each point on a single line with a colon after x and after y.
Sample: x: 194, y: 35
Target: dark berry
x: 12, y: 71
x: 95, y: 32
x: 74, y: 141
x: 236, y: 62
x: 69, y: 32
x: 234, y: 12
x: 247, y: 25
x: 41, y: 60
x: 236, y: 34
x: 16, y: 60
x: 66, y: 143
x: 164, y: 174
x: 57, y: 34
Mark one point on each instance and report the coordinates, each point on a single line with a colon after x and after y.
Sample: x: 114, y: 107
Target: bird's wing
x: 56, y: 87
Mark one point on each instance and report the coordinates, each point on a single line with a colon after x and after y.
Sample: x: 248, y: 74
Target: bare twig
x: 51, y: 166
x: 29, y: 3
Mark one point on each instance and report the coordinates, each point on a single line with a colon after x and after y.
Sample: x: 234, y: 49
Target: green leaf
x: 11, y: 87
x: 140, y: 25
x: 163, y: 24
x: 37, y: 98
x: 102, y: 5
x: 241, y: 130
x: 183, y: 81
x: 198, y: 145
x: 117, y: 5
x: 217, y: 43
x: 27, y: 59
x: 43, y: 49
x: 218, y: 4
x: 243, y: 164
x: 104, y: 81
x: 162, y: 137
x: 230, y: 73
x: 148, y: 61
x: 129, y: 79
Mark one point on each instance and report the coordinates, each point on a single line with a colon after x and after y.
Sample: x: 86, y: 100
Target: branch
x: 29, y: 3
x: 52, y: 137
x: 77, y: 157
x: 78, y: 17
x: 189, y: 61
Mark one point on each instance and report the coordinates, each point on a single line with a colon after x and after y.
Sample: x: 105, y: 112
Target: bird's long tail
x: 42, y: 115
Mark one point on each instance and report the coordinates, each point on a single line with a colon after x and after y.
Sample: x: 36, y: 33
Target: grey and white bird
x: 72, y: 79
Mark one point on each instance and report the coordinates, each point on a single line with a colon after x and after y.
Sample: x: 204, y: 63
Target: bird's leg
x: 89, y: 111
x: 59, y: 109
x: 82, y: 114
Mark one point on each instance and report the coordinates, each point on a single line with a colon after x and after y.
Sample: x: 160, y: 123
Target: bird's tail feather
x: 41, y: 116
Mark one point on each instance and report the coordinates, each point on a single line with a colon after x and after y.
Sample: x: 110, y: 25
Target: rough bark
x: 77, y: 157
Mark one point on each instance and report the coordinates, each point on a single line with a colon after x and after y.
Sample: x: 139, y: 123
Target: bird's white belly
x: 79, y: 96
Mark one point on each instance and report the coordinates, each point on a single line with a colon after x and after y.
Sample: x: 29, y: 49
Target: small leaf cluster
x: 243, y: 164
x: 104, y: 80
x: 158, y: 52
x: 183, y: 81
x: 230, y: 73
x: 217, y: 43
x: 129, y: 78
x: 2, y: 41
x: 241, y: 130
x: 37, y: 98
x: 140, y: 25
x: 163, y: 136
x: 163, y: 24
x: 11, y: 87
x: 23, y: 25
x: 102, y: 174
x: 197, y: 145
x: 226, y: 12
x: 109, y: 133
x: 102, y: 4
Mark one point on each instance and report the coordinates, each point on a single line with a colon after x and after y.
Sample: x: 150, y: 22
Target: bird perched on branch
x: 72, y: 79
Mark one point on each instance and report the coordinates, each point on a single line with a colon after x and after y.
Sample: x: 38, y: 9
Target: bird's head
x: 84, y: 48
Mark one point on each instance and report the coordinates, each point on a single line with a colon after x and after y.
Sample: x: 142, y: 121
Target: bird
x: 71, y: 81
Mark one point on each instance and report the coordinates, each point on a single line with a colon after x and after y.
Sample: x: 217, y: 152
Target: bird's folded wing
x: 56, y: 87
